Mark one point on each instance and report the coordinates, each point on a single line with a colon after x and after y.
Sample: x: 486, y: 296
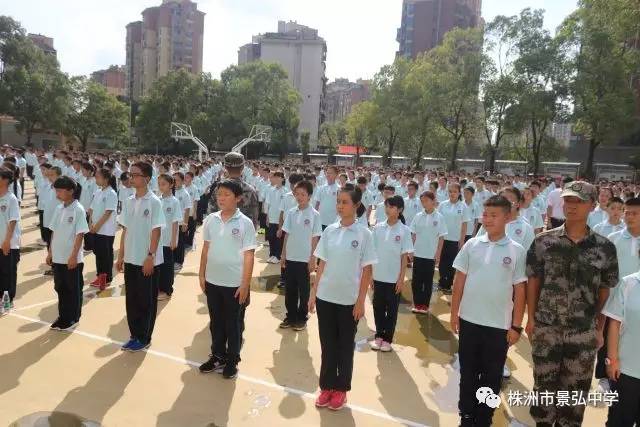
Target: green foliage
x: 305, y: 136
x: 94, y: 113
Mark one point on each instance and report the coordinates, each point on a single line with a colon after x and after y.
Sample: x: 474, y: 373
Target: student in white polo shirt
x: 140, y: 255
x: 50, y: 203
x: 412, y: 203
x: 302, y: 230
x: 346, y: 252
x: 428, y: 230
x: 393, y: 244
x: 169, y: 235
x: 475, y: 211
x: 487, y: 308
x: 68, y: 225
x: 185, y: 203
x: 380, y: 215
x: 600, y: 213
x: 9, y: 235
x: 614, y: 222
x: 622, y: 362
x: 194, y: 195
x: 530, y: 212
x: 226, y: 266
x: 456, y: 216
x: 326, y: 197
x: 627, y: 241
x: 273, y: 202
x: 102, y: 216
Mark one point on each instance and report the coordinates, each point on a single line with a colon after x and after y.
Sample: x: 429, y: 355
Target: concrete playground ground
x: 51, y: 378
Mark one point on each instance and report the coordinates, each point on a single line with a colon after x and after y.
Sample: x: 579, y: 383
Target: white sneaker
x: 385, y: 347
x: 506, y: 373
x: 376, y: 344
x: 177, y: 267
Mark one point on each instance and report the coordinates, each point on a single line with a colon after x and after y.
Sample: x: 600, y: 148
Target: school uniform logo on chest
x: 145, y: 213
x: 354, y: 244
x: 3, y: 208
x: 168, y: 210
x: 397, y: 239
x: 459, y: 211
x: 70, y: 219
x: 307, y: 221
x: 506, y: 260
x: 519, y: 231
x: 435, y: 223
x: 235, y: 232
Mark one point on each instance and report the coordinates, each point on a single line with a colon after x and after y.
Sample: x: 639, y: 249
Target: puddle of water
x: 53, y: 419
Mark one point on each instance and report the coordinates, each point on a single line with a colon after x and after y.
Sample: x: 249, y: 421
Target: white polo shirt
x: 411, y: 208
x: 66, y: 223
x: 428, y: 228
x: 556, y: 203
x: 623, y: 305
x: 391, y: 242
x: 328, y: 198
x: 519, y: 230
x: 301, y: 227
x: 105, y: 199
x: 380, y: 215
x: 89, y: 188
x: 274, y: 199
x: 172, y: 214
x: 288, y: 202
x: 533, y: 216
x: 124, y: 193
x: 627, y: 250
x: 605, y: 228
x: 475, y: 213
x: 10, y: 211
x: 442, y: 195
x: 346, y: 251
x: 49, y: 204
x: 597, y: 216
x: 455, y: 214
x: 227, y: 243
x: 492, y: 269
x: 140, y: 216
x: 194, y: 195
x: 185, y: 201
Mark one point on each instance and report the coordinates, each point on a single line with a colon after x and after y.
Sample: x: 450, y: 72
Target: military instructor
x: 570, y: 271
x: 233, y: 164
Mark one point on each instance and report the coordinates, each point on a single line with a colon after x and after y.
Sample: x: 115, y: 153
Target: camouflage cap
x: 233, y: 160
x: 581, y: 189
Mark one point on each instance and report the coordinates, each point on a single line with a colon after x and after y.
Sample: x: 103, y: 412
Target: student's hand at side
x: 93, y: 229
x: 183, y: 227
x: 6, y: 247
x: 358, y: 310
x: 460, y: 244
x: 203, y: 284
x: 399, y: 285
x: 512, y: 336
x: 283, y: 262
x: 455, y: 323
x: 147, y: 267
x: 599, y: 339
x: 72, y: 263
x: 613, y: 369
x: 173, y: 245
x: 531, y: 324
x: 49, y: 261
x: 120, y: 265
x: 312, y: 303
x: 242, y: 293
x: 312, y: 264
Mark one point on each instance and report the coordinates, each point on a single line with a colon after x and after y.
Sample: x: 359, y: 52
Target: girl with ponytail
x: 102, y: 215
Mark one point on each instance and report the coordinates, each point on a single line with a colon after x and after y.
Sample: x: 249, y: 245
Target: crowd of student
x: 357, y: 229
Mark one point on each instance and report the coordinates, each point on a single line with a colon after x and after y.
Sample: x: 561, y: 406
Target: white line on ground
x: 253, y: 380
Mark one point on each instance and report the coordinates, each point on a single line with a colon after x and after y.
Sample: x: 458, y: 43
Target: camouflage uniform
x: 563, y: 343
x: 249, y: 203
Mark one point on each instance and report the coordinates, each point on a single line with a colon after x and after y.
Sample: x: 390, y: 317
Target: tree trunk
x: 593, y: 144
x: 454, y: 153
x: 536, y: 148
x: 492, y: 159
x: 83, y: 144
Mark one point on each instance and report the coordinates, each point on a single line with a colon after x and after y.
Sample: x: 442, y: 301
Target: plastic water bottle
x: 6, y: 302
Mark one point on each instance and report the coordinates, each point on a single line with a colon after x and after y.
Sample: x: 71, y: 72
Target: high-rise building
x: 169, y: 37
x: 425, y: 22
x: 342, y: 95
x: 302, y: 53
x: 113, y: 79
x: 43, y: 42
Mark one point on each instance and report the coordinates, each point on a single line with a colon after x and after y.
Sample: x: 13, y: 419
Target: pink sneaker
x: 325, y: 397
x: 376, y: 344
x: 338, y: 400
x: 385, y: 347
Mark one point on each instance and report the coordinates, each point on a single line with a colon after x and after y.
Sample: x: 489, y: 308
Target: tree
x: 94, y: 112
x: 422, y: 113
x: 457, y: 65
x: 541, y: 81
x: 33, y: 89
x: 601, y: 68
x: 388, y: 94
x: 498, y: 84
x: 331, y: 135
x: 360, y: 125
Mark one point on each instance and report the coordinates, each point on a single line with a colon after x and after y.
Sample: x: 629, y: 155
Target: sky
x: 89, y: 35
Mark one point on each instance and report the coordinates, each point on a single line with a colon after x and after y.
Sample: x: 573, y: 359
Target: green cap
x: 233, y: 160
x: 581, y: 189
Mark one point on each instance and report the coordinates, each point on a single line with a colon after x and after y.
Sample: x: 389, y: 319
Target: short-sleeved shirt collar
x: 147, y: 195
x: 485, y: 239
x: 350, y: 227
x: 235, y: 215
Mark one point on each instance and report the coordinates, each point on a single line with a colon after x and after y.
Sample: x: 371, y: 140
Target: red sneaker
x: 96, y: 282
x: 338, y: 400
x: 325, y: 397
x: 103, y: 282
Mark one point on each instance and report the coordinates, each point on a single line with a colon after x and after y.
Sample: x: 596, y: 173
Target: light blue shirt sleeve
x: 442, y: 228
x: 206, y: 232
x: 519, y: 274
x: 286, y: 224
x: 81, y: 224
x: 123, y: 218
x: 157, y: 218
x: 111, y: 203
x: 407, y: 243
x: 321, y: 251
x: 368, y: 255
x: 54, y: 219
x: 317, y: 226
x: 614, y: 307
x: 249, y: 238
